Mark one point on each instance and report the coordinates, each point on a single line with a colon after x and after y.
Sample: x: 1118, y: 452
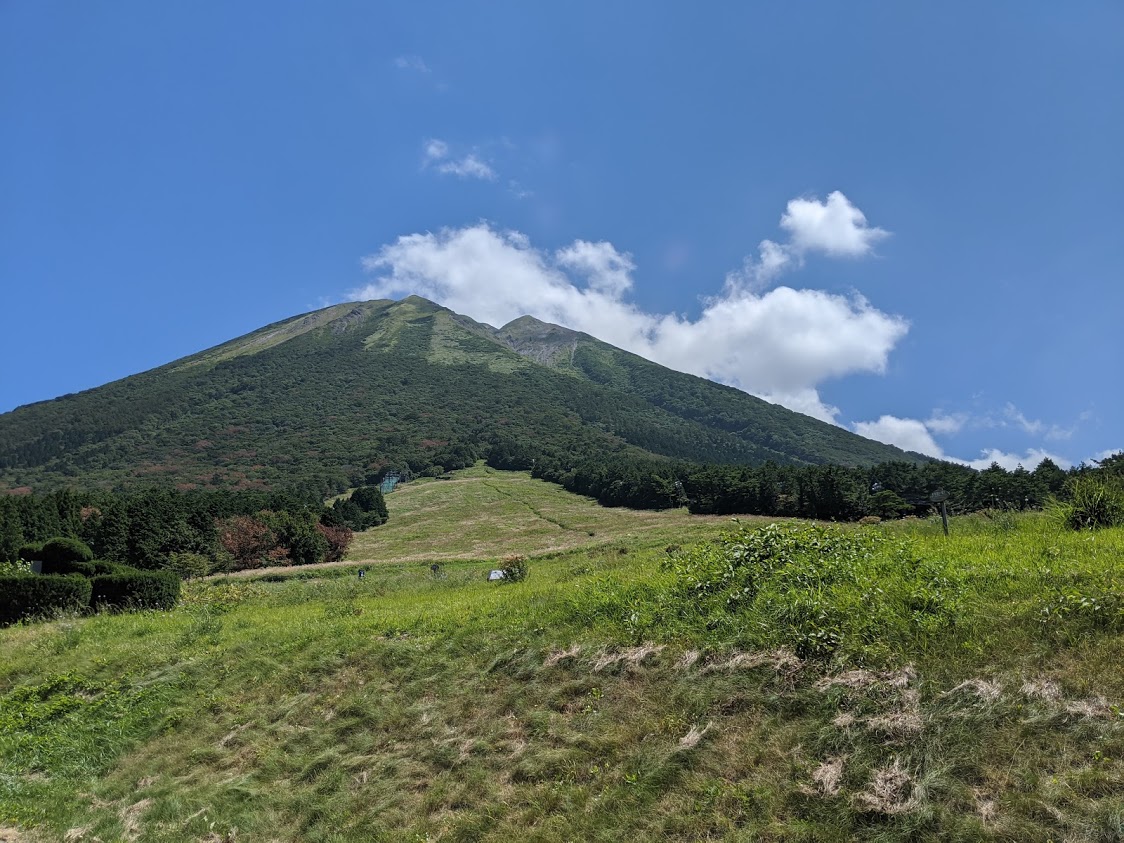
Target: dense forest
x: 190, y: 532
x: 824, y: 492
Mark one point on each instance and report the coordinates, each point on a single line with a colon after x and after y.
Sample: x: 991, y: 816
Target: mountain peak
x: 543, y: 342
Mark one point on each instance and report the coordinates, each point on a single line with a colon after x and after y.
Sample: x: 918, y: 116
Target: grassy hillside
x: 499, y: 513
x: 323, y: 399
x: 591, y: 701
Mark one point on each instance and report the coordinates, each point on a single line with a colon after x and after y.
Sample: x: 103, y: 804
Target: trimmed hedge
x: 86, y: 569
x: 131, y: 589
x: 104, y: 566
x: 66, y: 556
x: 64, y: 549
x: 32, y: 595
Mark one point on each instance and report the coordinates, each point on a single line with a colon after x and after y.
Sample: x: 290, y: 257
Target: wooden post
x: 941, y: 496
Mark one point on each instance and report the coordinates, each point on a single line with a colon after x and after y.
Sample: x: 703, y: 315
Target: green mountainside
x: 332, y: 396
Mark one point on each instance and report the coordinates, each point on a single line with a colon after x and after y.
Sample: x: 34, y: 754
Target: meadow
x: 657, y: 676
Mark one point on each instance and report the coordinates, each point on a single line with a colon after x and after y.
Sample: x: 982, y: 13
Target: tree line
x: 190, y: 532
x: 823, y: 492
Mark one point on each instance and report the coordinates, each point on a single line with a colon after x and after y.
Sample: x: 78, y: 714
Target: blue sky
x: 904, y: 218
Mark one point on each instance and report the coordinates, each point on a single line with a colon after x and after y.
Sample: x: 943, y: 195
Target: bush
x: 187, y: 565
x: 66, y: 556
x: 514, y: 569
x: 1091, y: 502
x: 31, y: 595
x: 132, y: 589
x: 85, y: 569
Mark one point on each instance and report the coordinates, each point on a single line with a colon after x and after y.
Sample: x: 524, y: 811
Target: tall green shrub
x: 66, y: 556
x: 135, y: 590
x: 31, y: 595
x: 1091, y: 501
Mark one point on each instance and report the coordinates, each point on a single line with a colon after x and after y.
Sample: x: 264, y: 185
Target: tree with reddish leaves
x: 338, y: 538
x: 250, y: 542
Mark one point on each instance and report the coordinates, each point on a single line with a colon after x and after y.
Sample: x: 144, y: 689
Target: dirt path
x: 435, y: 556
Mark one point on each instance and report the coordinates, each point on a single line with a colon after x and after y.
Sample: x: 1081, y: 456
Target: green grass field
x: 969, y: 688
x: 487, y: 514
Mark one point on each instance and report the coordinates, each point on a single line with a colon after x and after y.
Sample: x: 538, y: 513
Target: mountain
x: 331, y: 396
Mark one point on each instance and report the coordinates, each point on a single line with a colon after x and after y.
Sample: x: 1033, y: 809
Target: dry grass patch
x: 1042, y: 689
x: 862, y: 679
x: 687, y: 660
x: 131, y: 818
x: 780, y: 660
x: 1096, y: 706
x: 631, y: 656
x: 694, y: 736
x: 890, y: 791
x: 985, y: 690
x: 828, y: 776
x: 559, y: 656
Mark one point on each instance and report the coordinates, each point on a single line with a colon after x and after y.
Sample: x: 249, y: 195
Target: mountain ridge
x: 342, y: 391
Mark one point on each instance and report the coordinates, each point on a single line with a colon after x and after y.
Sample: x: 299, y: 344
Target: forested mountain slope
x: 329, y: 397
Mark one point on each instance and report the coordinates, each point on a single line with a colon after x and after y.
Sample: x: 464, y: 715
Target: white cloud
x: 1016, y: 417
x: 1029, y: 460
x: 1050, y: 432
x: 1109, y: 452
x: 415, y: 63
x: 608, y: 270
x: 436, y: 149
x: 834, y: 227
x: 916, y: 435
x: 941, y: 422
x: 467, y: 167
x: 1057, y: 433
x: 908, y: 434
x: 779, y: 345
x: 436, y: 152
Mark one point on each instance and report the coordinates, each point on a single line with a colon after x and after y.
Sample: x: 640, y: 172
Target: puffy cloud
x: 608, y: 270
x: 834, y: 227
x: 779, y: 345
x: 908, y: 434
x: 435, y: 152
x: 756, y: 274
